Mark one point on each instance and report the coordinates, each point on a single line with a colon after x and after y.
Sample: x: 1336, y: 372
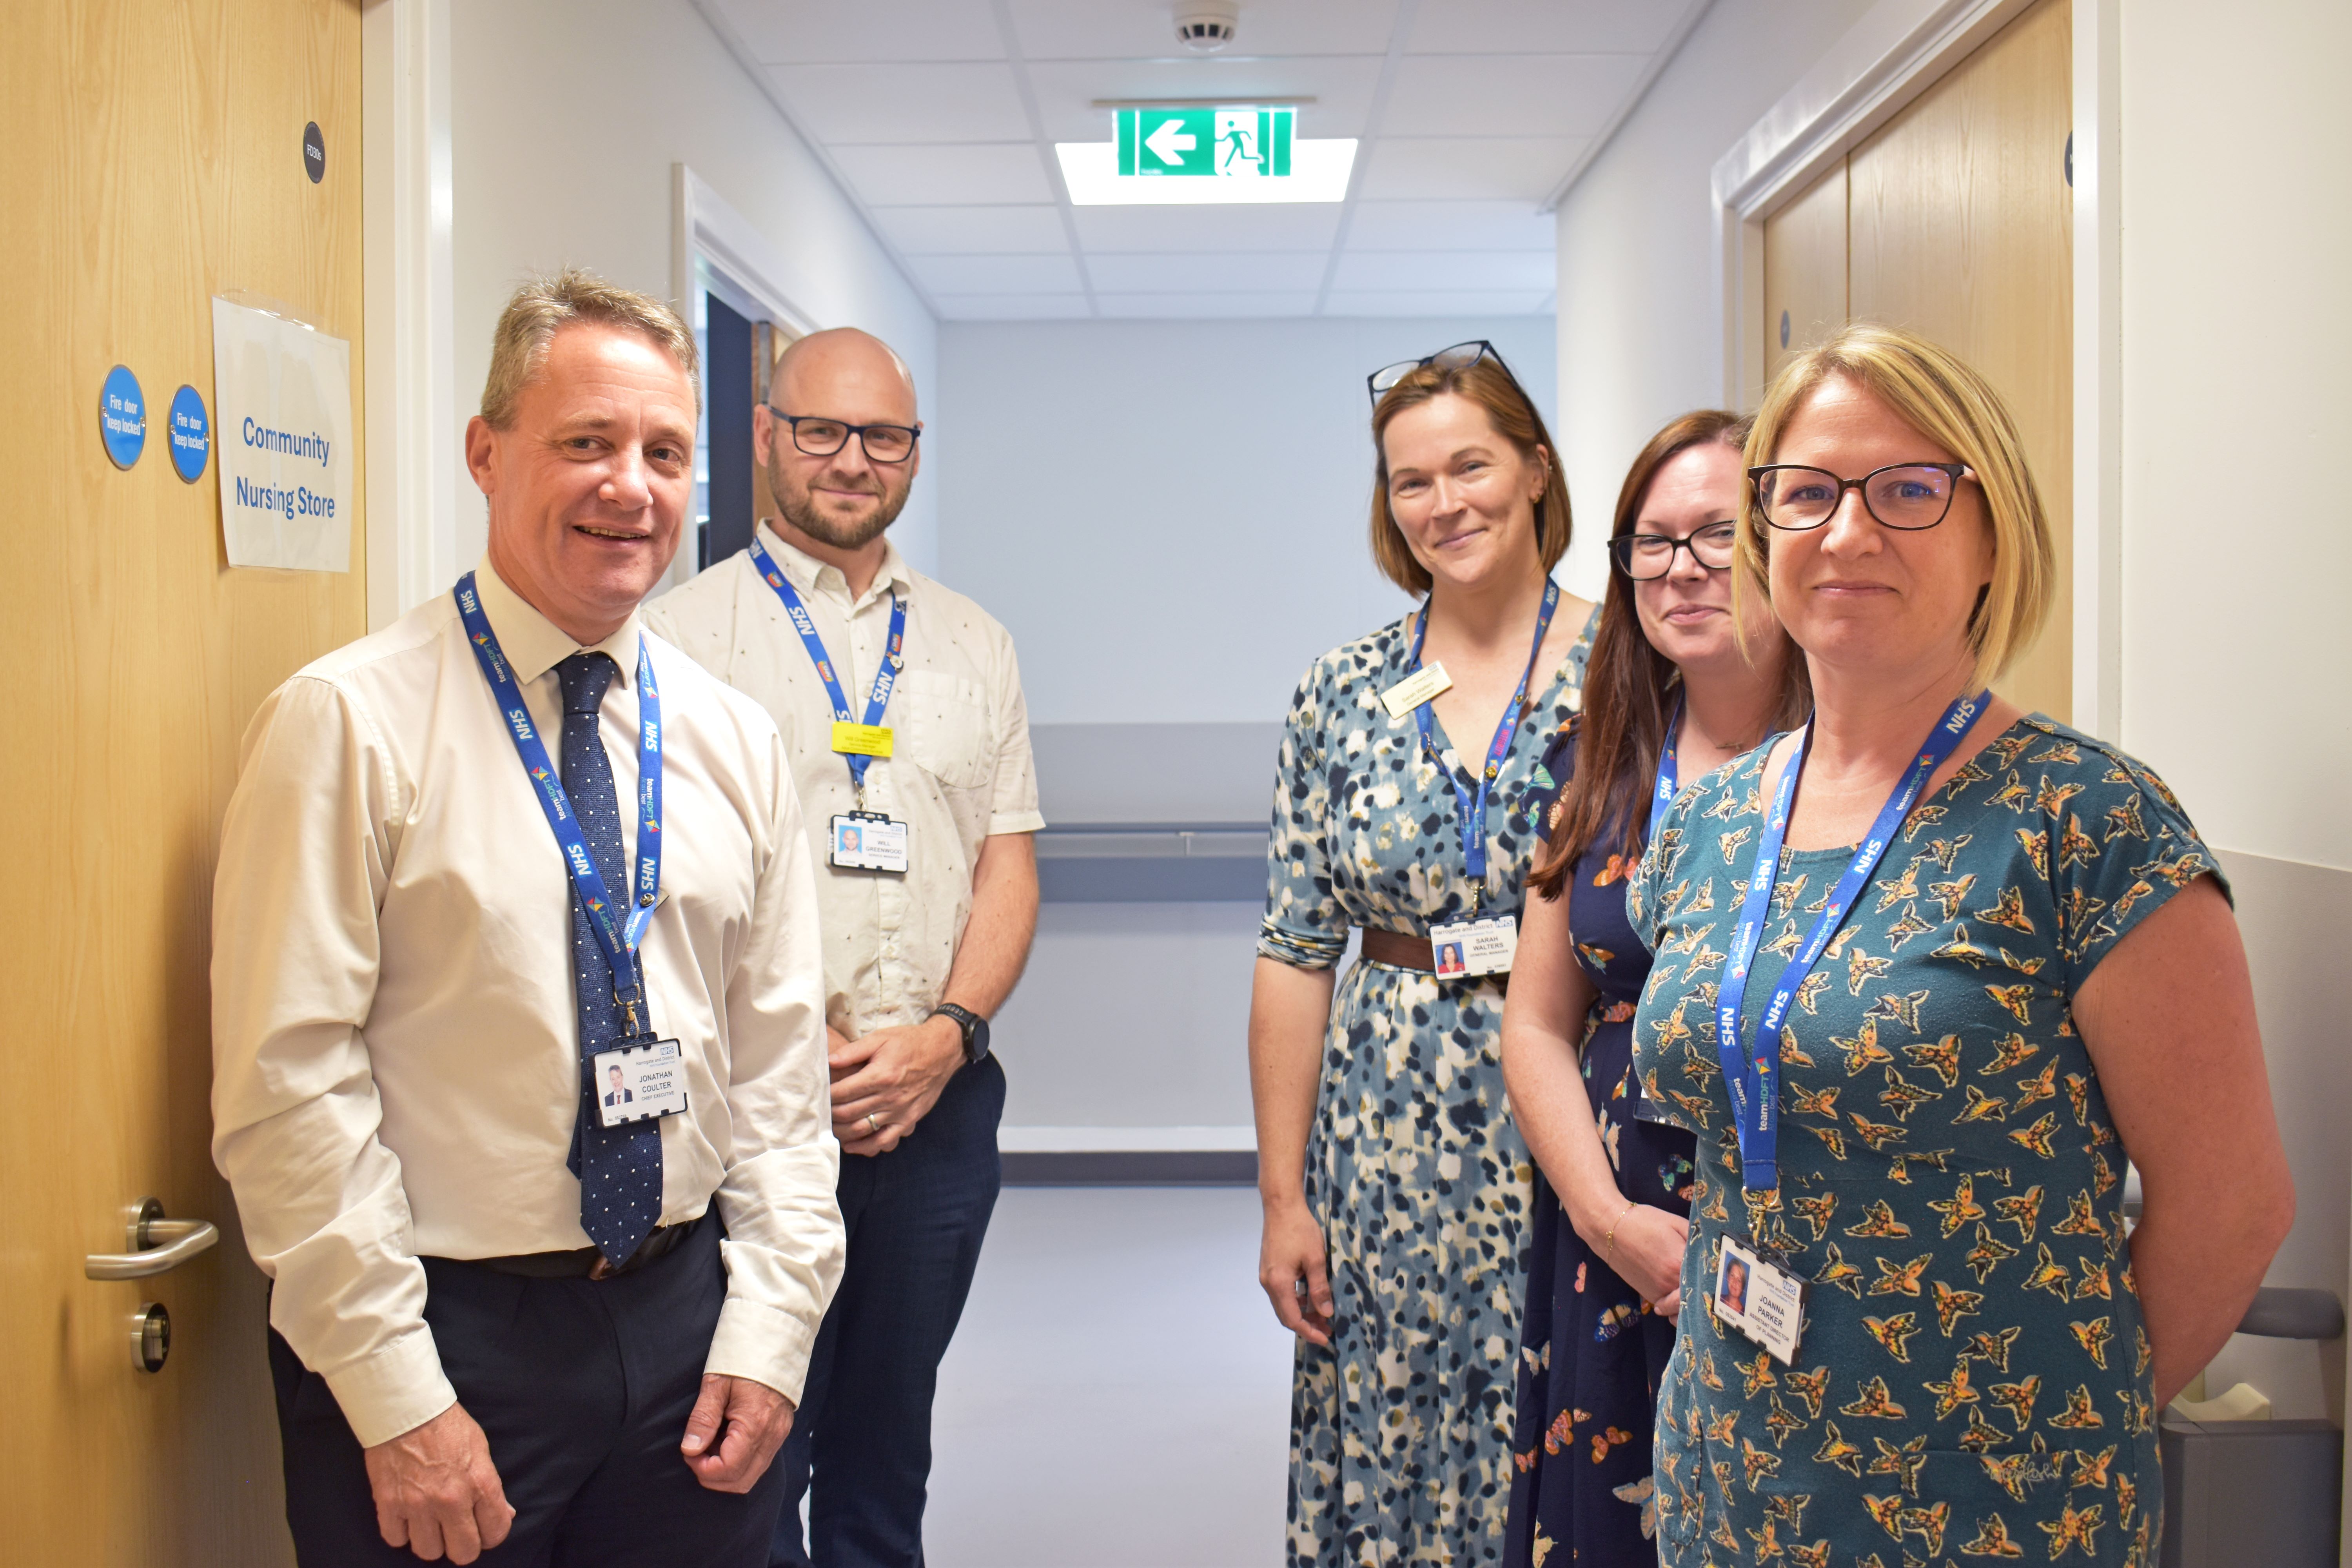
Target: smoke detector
x: 1205, y: 26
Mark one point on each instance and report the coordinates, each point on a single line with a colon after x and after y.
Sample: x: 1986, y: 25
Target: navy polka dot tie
x: 620, y: 1168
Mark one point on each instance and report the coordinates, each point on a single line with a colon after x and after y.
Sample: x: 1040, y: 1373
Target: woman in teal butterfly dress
x: 2039, y: 979
x: 1396, y: 1189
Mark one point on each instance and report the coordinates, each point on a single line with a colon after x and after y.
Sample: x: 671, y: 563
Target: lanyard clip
x: 628, y: 1005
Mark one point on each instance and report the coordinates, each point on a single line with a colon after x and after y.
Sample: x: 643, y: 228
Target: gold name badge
x: 1430, y: 680
x: 861, y: 739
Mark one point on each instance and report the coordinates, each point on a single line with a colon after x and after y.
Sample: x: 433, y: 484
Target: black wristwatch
x: 974, y: 1028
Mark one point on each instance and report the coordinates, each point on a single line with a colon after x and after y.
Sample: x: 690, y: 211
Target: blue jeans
x: 861, y: 1446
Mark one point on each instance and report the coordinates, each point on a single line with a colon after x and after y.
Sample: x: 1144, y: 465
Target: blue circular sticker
x: 122, y: 417
x: 192, y: 434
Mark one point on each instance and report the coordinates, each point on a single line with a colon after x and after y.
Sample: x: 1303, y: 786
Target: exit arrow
x: 1170, y: 142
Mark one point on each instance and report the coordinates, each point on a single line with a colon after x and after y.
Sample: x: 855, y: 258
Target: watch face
x: 976, y: 1041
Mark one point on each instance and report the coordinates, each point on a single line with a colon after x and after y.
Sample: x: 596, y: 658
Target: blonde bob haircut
x: 546, y: 304
x: 1514, y: 416
x: 1937, y: 393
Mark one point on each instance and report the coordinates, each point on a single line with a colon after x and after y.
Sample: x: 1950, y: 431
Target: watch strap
x: 974, y: 1028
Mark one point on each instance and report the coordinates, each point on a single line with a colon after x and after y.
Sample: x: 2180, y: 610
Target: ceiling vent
x: 1206, y: 26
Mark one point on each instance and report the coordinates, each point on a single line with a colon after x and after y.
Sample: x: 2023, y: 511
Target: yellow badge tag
x: 1414, y: 689
x: 861, y: 739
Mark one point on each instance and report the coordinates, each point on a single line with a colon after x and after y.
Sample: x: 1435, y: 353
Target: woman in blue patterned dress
x: 1669, y: 674
x: 1395, y: 1190
x: 2002, y: 963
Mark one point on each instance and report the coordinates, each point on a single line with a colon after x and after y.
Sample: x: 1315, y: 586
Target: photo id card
x: 636, y: 1079
x: 1761, y: 1299
x: 868, y: 841
x: 1465, y: 949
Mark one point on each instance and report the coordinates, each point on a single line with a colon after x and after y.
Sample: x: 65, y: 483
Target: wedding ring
x: 872, y: 1124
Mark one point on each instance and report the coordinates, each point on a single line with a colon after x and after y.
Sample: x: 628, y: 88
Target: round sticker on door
x: 314, y: 153
x: 122, y: 417
x: 192, y: 434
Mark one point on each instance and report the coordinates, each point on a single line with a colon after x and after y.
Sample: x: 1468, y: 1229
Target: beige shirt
x: 396, y: 1032
x: 960, y: 771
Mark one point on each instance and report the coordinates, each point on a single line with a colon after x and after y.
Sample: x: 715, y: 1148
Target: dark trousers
x: 582, y: 1388
x: 862, y: 1445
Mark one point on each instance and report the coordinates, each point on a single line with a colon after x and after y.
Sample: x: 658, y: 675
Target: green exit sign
x: 1245, y: 141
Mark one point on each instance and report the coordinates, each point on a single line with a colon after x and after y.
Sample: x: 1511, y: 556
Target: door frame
x: 1893, y: 55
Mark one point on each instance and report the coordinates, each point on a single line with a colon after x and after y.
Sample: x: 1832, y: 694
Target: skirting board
x: 1128, y: 1156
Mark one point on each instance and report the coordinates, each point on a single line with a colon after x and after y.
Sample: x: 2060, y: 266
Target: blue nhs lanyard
x: 1471, y: 815
x: 886, y: 678
x: 1755, y: 1096
x: 619, y: 940
x: 1662, y: 794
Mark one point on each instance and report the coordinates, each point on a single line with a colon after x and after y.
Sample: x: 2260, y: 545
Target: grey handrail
x: 2281, y: 1312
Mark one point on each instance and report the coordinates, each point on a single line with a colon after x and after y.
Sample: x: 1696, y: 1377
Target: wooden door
x: 1955, y: 219
x: 155, y: 157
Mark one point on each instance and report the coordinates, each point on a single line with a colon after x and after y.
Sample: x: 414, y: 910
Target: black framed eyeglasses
x: 1460, y: 356
x: 822, y: 437
x: 1793, y: 498
x: 1643, y: 556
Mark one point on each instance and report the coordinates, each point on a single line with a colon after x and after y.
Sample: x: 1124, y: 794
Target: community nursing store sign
x: 282, y: 396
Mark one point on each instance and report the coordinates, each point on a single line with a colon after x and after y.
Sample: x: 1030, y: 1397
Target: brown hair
x: 1513, y: 413
x: 545, y: 304
x: 1629, y: 685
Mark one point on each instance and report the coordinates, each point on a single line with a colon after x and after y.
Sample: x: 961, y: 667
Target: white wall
x: 1169, y: 516
x: 1641, y: 317
x: 566, y: 117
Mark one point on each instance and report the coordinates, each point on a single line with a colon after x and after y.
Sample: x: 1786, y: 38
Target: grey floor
x: 1119, y: 1395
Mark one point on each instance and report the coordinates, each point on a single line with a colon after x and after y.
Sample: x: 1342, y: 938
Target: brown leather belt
x: 1399, y: 950
x: 587, y: 1263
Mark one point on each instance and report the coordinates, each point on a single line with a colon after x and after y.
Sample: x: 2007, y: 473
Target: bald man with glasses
x: 900, y: 705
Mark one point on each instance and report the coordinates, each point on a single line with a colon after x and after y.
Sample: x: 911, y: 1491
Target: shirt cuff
x: 1016, y: 822
x: 768, y: 1345
x: 1298, y: 949
x: 397, y: 1389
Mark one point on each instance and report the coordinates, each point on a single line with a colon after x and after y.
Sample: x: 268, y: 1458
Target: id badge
x: 1761, y: 1299
x: 868, y: 841
x: 1430, y: 680
x: 636, y: 1079
x: 1465, y: 949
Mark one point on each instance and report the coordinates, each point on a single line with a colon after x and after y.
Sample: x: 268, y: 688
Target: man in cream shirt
x: 900, y: 700
x: 504, y: 1311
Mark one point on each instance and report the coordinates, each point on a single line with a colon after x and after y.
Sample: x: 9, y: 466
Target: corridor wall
x: 566, y: 119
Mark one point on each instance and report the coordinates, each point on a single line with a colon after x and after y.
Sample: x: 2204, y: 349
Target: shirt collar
x: 811, y: 576
x: 533, y: 644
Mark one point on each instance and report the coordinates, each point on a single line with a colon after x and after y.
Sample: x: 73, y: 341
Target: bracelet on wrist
x: 1609, y: 1239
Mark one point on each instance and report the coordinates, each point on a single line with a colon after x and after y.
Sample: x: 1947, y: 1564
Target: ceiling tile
x: 997, y: 274
x: 1342, y: 90
x: 921, y: 176
x: 1451, y: 226
x: 903, y: 103
x: 828, y: 30
x: 1010, y: 307
x: 1508, y: 168
x: 1544, y: 27
x: 1437, y: 302
x: 1128, y: 29
x: 1286, y: 302
x: 1221, y: 274
x: 1454, y: 270
x: 967, y: 231
x: 1508, y: 95
x: 1305, y: 226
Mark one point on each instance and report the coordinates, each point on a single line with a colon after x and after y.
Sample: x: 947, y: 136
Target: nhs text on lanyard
x: 861, y: 840
x: 650, y: 1067
x: 1474, y: 946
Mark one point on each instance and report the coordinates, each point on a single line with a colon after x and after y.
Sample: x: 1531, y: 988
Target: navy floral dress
x: 1972, y: 1382
x: 1591, y: 1353
x: 1401, y: 1430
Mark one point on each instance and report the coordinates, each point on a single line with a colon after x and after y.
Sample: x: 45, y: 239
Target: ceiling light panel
x: 1104, y: 231
x: 1318, y: 174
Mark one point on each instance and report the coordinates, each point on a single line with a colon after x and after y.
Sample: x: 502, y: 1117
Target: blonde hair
x: 1939, y: 395
x: 547, y: 303
x: 1513, y: 415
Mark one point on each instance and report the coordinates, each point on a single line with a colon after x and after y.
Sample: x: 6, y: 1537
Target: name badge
x: 1761, y: 1299
x: 861, y: 739
x: 637, y: 1079
x: 868, y: 841
x: 1428, y: 681
x: 1465, y: 949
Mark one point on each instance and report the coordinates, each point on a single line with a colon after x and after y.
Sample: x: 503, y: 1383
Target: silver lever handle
x: 157, y: 1245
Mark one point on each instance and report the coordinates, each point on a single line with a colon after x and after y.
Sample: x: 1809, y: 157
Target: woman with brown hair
x: 1678, y: 683
x: 1394, y: 1187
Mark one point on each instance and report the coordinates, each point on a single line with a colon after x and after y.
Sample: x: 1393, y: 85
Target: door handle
x: 157, y: 1245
